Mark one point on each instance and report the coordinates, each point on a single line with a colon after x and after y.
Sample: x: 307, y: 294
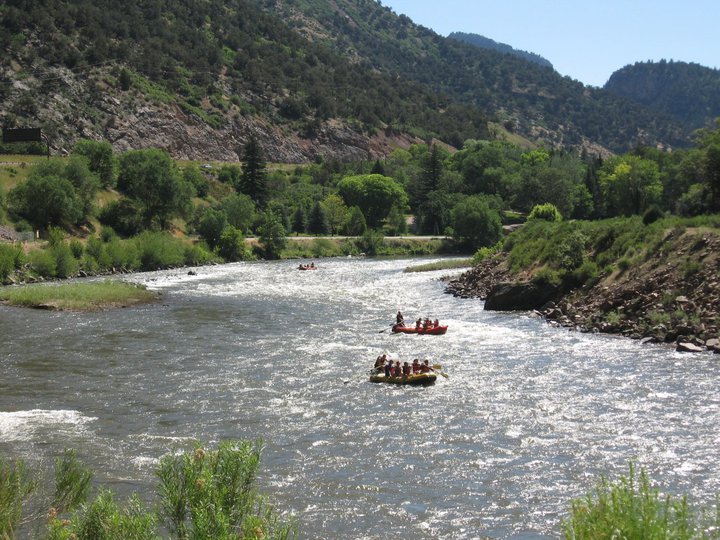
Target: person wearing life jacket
x: 399, y: 319
x: 379, y: 363
x: 436, y: 323
x: 418, y: 324
x: 406, y: 370
x: 388, y: 368
x: 425, y: 367
x: 416, y: 366
x: 397, y: 369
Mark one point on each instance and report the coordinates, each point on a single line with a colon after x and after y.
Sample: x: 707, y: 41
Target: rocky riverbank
x: 670, y: 296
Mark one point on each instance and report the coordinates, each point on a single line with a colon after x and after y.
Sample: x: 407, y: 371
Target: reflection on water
x: 527, y: 420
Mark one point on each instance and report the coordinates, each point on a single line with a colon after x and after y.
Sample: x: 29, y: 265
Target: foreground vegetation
x: 78, y: 296
x: 202, y: 495
x: 632, y: 508
x: 210, y: 495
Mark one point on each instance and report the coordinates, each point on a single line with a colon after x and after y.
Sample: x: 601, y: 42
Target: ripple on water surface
x: 526, y: 421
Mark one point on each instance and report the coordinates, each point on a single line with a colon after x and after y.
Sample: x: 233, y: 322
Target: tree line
x: 468, y: 194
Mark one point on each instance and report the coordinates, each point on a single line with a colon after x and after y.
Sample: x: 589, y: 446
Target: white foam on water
x: 25, y: 425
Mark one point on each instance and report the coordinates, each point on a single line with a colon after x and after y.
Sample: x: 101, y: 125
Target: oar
x: 437, y: 367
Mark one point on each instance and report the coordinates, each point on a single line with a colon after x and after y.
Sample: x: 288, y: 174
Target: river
x: 527, y: 419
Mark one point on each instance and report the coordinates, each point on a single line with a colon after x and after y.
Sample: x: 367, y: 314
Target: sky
x: 586, y: 40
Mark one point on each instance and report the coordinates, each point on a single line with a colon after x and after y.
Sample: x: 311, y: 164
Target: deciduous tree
x: 374, y: 194
x: 152, y: 179
x: 476, y: 223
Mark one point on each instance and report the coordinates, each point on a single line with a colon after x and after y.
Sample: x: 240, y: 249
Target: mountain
x: 529, y: 99
x: 311, y: 79
x: 688, y: 92
x: 487, y: 43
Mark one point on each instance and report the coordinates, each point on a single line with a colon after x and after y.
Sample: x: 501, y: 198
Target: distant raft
x: 417, y: 379
x: 433, y: 331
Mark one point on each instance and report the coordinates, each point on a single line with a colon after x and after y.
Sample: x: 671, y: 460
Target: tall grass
x: 440, y: 265
x: 77, y: 296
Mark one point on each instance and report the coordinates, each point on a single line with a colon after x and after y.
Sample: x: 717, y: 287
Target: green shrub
x: 485, y: 252
x: 65, y: 264
x: 16, y: 485
x: 370, y: 243
x: 586, y: 274
x: 76, y: 248
x: 652, y: 214
x: 655, y: 318
x: 570, y: 252
x: 690, y: 268
x: 632, y: 508
x: 43, y: 263
x: 159, y: 250
x: 546, y: 212
x: 323, y: 247
x: 104, y: 520
x: 120, y: 254
x: 203, y: 495
x: 11, y: 257
x: 197, y: 255
x: 547, y: 277
x: 231, y: 244
x: 210, y: 494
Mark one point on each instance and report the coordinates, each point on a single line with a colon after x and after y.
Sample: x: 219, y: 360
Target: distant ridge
x: 487, y: 43
x: 688, y: 92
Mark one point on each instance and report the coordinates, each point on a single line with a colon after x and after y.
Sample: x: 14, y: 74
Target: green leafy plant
x: 16, y: 485
x: 632, y: 508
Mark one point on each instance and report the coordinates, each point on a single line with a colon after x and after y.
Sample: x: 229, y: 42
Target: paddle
x: 437, y: 367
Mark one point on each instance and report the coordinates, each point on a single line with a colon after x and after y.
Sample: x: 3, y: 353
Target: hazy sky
x: 585, y: 39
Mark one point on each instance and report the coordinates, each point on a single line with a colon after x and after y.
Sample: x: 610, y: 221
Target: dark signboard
x: 21, y: 135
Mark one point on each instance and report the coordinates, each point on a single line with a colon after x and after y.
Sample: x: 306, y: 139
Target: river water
x: 526, y: 421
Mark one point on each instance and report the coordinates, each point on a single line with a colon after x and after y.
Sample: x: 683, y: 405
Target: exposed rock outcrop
x: 520, y: 296
x: 672, y: 296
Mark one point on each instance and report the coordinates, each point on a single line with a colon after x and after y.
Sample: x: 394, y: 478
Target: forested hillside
x: 310, y: 78
x: 690, y: 93
x: 526, y: 98
x: 487, y: 43
x: 197, y: 78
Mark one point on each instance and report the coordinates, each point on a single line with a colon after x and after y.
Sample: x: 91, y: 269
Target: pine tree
x: 299, y: 224
x: 432, y: 171
x: 318, y: 221
x: 253, y: 180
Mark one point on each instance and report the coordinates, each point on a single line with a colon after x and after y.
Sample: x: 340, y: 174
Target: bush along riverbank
x: 658, y: 281
x: 107, y: 254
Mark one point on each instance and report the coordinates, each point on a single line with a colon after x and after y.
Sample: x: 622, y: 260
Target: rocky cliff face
x: 70, y: 108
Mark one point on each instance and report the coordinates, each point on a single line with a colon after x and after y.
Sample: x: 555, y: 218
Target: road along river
x: 528, y: 419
